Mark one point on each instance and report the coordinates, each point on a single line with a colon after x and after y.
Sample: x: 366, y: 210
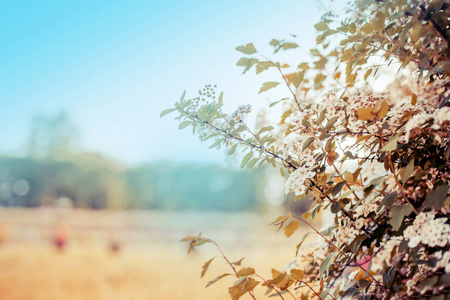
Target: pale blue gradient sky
x: 115, y: 65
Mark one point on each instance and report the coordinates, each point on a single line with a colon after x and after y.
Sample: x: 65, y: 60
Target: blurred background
x: 95, y: 189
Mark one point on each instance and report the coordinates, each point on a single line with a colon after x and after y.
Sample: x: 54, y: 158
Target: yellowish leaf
x: 383, y: 110
x: 291, y: 227
x: 250, y: 284
x: 349, y: 177
x: 242, y: 287
x: 245, y: 272
x: 206, y: 266
x: 297, y: 274
x: 365, y: 113
x: 413, y: 99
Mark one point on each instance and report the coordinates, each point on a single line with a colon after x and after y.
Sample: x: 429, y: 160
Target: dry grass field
x: 129, y: 255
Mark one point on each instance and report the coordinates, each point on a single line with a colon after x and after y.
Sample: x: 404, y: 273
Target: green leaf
x: 246, y: 159
x: 247, y: 63
x: 182, y: 96
x: 326, y: 263
x: 233, y: 149
x: 389, y: 200
x: 308, y: 142
x: 167, y: 111
x: 407, y: 172
x: 392, y: 144
x: 221, y: 98
x: 276, y: 102
x: 247, y: 49
x: 331, y: 122
x: 267, y: 86
x: 216, y: 143
x: 436, y: 196
x: 252, y: 162
x: 321, y: 26
x: 184, y: 124
x: 397, y: 213
x: 264, y: 129
x: 337, y: 188
x: 368, y: 268
x: 335, y: 207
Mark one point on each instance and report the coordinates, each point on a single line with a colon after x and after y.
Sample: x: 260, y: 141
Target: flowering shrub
x: 378, y: 161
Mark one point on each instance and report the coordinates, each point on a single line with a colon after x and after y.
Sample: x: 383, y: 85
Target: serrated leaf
x: 247, y: 49
x: 267, y: 86
x: 245, y: 272
x: 250, y: 284
x: 297, y: 274
x: 217, y: 279
x: 397, y: 213
x: 184, y: 124
x: 206, y: 266
x: 238, y: 262
x: 291, y: 227
x: 248, y: 63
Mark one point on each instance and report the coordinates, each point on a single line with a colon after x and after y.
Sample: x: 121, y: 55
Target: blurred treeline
x: 55, y: 171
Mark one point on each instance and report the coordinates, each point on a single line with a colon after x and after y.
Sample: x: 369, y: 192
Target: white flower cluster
x: 239, y: 114
x: 293, y: 149
x: 384, y: 255
x: 346, y: 234
x: 333, y: 106
x: 368, y: 205
x: 428, y: 231
x: 443, y: 261
x: 296, y: 181
x: 422, y: 272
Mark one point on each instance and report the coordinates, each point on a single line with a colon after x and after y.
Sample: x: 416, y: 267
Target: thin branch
x: 341, y: 252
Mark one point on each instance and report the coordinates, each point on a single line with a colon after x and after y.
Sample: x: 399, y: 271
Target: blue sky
x: 115, y: 65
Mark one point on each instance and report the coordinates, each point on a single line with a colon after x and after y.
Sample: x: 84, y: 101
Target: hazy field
x: 151, y: 262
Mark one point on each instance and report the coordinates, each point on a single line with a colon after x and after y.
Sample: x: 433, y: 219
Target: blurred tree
x: 54, y: 137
